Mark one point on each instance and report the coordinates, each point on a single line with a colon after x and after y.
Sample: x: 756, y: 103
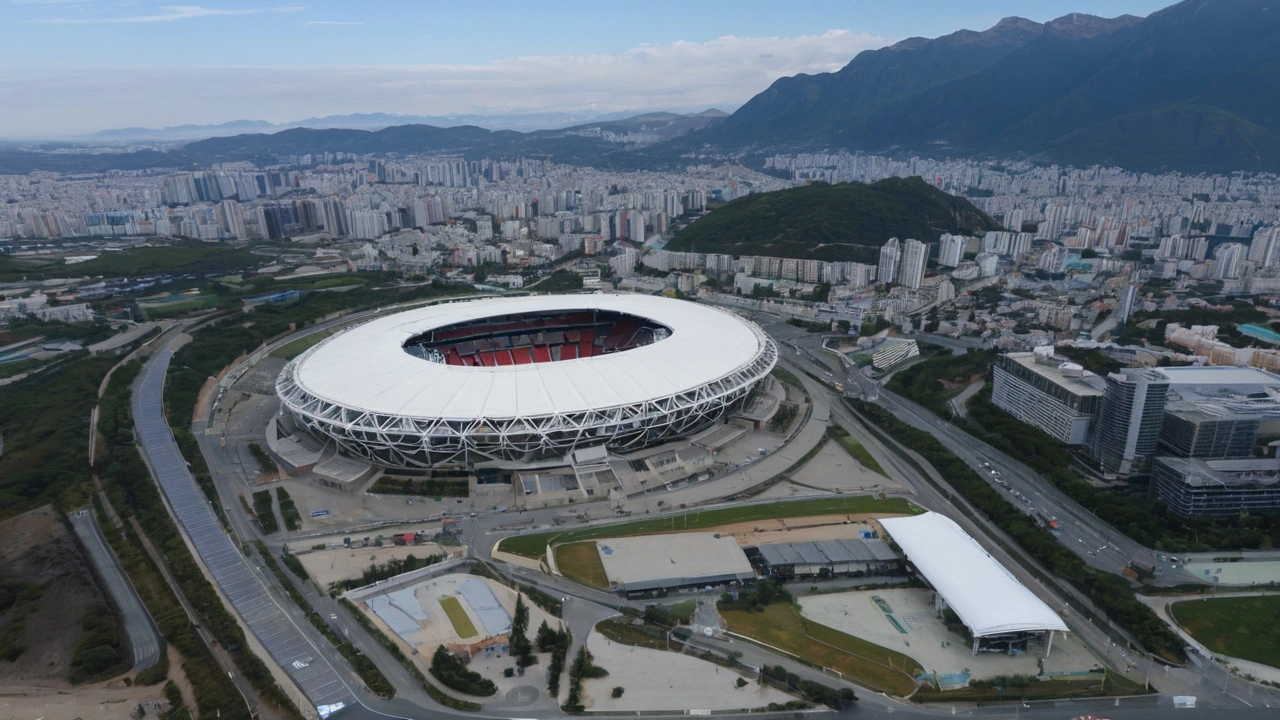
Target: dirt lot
x: 108, y: 701
x: 329, y: 566
x: 801, y: 529
x: 36, y: 547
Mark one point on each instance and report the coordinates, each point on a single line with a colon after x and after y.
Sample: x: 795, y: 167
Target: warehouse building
x: 858, y: 557
x: 670, y: 562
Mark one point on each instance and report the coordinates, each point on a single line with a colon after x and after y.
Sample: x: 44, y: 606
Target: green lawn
x: 1247, y: 627
x: 181, y: 258
x: 682, y: 611
x: 291, y: 350
x: 458, y: 617
x: 534, y: 545
x: 580, y: 562
x: 868, y: 664
x: 1108, y: 685
x: 859, y: 453
x: 621, y: 631
x: 179, y: 305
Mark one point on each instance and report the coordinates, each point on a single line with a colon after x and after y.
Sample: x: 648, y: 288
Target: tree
x: 521, y: 648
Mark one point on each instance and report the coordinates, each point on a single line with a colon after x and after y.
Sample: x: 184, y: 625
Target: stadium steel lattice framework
x: 368, y: 393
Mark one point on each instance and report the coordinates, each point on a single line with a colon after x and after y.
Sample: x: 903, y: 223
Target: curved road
x: 144, y: 637
x: 482, y: 534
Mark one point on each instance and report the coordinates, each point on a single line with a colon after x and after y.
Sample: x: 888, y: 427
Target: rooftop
x: 672, y: 560
x: 367, y: 369
x: 1208, y: 375
x: 1224, y: 473
x: 1085, y: 383
x: 986, y: 596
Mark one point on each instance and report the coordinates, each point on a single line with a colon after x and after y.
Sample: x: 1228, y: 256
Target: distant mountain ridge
x: 842, y: 222
x: 1193, y: 87
x: 520, y: 122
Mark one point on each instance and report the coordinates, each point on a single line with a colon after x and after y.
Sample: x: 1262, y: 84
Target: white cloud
x: 168, y: 13
x: 725, y: 71
x: 333, y: 22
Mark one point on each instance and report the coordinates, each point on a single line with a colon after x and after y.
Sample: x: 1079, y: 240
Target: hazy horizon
x: 76, y: 68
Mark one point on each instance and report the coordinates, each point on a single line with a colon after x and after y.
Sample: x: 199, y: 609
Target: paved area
x: 1243, y: 573
x: 904, y: 620
x: 144, y: 637
x: 834, y: 469
x: 661, y: 680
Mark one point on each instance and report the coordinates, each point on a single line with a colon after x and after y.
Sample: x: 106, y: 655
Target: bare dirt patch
x: 330, y: 566
x: 36, y: 547
x: 107, y: 701
x: 801, y: 529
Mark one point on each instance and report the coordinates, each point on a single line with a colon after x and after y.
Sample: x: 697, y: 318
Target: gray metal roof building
x: 839, y: 557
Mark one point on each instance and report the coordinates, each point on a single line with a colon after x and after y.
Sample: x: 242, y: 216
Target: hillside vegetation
x: 843, y: 222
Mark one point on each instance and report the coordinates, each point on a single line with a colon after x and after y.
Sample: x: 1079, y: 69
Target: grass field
x: 620, y: 631
x: 868, y: 664
x: 176, y: 259
x: 179, y: 305
x: 1109, y: 685
x: 291, y: 350
x: 458, y: 617
x: 1247, y: 628
x: 580, y: 562
x: 535, y: 545
x: 858, y: 452
x: 683, y: 610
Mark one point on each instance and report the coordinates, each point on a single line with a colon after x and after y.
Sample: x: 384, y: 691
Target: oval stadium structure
x: 528, y: 378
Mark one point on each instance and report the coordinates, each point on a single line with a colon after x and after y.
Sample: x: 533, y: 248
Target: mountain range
x: 522, y: 122
x: 1194, y: 87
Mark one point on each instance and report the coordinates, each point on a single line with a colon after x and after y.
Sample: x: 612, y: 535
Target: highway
x: 1096, y: 542
x: 1220, y: 693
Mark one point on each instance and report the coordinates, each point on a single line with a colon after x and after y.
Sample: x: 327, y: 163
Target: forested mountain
x: 847, y: 221
x: 1193, y: 87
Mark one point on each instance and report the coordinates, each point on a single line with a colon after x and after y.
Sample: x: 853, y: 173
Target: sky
x: 77, y: 66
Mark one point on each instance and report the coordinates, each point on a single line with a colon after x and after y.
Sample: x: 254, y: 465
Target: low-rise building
x: 1217, y: 488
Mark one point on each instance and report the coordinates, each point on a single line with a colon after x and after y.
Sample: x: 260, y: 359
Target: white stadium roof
x: 988, y: 599
x: 366, y: 368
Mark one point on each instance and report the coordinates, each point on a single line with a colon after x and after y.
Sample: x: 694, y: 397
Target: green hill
x: 848, y: 221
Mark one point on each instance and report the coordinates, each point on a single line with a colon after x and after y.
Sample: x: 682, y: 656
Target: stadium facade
x: 523, y: 379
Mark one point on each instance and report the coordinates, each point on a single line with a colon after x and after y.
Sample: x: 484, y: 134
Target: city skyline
x: 299, y: 61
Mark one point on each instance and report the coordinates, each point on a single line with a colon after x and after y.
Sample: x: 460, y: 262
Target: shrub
x: 450, y: 670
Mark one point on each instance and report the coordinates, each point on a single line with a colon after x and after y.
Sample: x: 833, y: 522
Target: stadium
x: 523, y: 379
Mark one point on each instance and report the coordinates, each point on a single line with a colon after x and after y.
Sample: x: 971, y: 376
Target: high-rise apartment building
x: 1129, y: 419
x: 890, y: 255
x: 914, y: 256
x: 951, y: 249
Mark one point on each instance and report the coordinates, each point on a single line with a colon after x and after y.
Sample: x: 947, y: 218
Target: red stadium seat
x: 541, y: 353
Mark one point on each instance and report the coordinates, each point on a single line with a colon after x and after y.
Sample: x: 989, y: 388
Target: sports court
x: 419, y: 613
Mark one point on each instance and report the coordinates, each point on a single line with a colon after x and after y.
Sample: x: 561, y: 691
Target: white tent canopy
x: 988, y: 599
